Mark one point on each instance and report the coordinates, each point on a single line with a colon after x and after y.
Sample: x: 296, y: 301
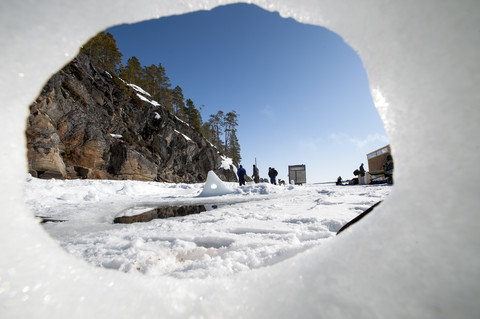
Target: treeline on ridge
x: 220, y: 129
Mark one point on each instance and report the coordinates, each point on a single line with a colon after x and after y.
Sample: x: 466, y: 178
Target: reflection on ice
x: 129, y: 216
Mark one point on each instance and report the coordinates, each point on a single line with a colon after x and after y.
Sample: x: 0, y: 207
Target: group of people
x: 242, y: 173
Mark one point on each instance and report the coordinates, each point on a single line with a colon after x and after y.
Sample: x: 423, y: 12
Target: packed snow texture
x: 417, y: 257
x: 254, y: 226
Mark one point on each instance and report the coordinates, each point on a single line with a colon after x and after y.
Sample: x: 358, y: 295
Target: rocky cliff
x: 87, y: 123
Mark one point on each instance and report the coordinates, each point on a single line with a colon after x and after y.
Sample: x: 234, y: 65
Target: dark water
x: 163, y: 212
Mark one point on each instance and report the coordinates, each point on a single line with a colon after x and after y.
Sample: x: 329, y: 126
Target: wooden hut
x: 376, y: 160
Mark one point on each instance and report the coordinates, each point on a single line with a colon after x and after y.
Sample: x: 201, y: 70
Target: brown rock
x: 70, y: 128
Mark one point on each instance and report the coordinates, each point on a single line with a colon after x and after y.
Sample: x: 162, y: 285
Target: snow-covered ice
x: 253, y: 226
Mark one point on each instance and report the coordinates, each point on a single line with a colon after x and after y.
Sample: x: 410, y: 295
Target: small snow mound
x: 214, y: 186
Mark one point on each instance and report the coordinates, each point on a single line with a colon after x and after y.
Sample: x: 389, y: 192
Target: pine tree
x: 216, y: 122
x: 166, y: 99
x: 234, y: 148
x: 193, y: 117
x: 156, y: 82
x: 230, y: 123
x: 102, y: 50
x: 133, y: 71
x: 231, y: 144
x: 178, y: 102
x: 150, y: 82
x: 207, y: 132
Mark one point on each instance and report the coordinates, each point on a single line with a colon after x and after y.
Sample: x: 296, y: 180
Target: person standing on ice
x: 256, y: 174
x: 272, y: 173
x: 361, y: 177
x: 388, y: 169
x: 241, y: 172
x: 339, y: 180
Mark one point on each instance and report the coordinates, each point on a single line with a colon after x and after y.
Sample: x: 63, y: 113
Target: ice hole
x: 305, y: 145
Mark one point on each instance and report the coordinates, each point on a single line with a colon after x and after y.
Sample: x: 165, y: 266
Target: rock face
x: 87, y: 123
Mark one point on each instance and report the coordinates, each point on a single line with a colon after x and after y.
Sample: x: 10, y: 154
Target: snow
x: 157, y: 116
x: 142, y: 94
x: 214, y: 186
x: 139, y: 89
x: 154, y: 103
x: 116, y: 135
x: 227, y: 163
x: 184, y: 136
x: 253, y: 226
x: 416, y: 257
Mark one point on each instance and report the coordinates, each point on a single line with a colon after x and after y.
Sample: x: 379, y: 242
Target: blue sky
x: 301, y: 92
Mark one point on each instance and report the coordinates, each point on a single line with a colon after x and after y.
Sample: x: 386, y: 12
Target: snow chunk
x: 157, y: 116
x: 227, y: 162
x: 116, y: 135
x: 214, y: 186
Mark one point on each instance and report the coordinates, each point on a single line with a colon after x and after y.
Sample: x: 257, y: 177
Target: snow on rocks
x: 143, y: 95
x: 184, y: 136
x: 139, y: 89
x: 154, y: 103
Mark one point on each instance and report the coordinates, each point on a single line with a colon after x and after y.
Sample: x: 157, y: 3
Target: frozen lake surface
x: 253, y: 226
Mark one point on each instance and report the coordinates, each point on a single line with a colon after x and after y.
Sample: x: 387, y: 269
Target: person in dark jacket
x: 256, y: 174
x: 241, y: 172
x: 339, y: 180
x: 272, y: 173
x: 362, y: 170
x: 361, y: 177
x: 388, y: 169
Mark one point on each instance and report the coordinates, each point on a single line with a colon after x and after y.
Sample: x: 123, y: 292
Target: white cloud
x: 370, y: 139
x: 359, y: 143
